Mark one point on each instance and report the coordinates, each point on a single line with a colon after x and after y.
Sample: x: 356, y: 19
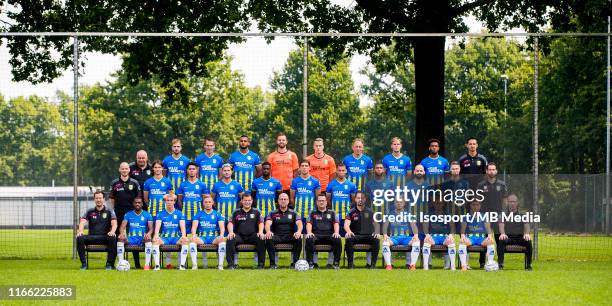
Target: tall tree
x: 419, y: 16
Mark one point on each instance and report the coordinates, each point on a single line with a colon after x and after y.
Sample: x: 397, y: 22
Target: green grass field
x: 558, y: 278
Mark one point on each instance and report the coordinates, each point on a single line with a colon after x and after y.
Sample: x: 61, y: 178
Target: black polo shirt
x: 514, y: 228
x: 283, y: 223
x: 99, y: 221
x: 362, y: 222
x: 140, y: 175
x: 124, y: 192
x: 472, y: 168
x: 246, y: 223
x: 323, y: 221
x: 494, y: 194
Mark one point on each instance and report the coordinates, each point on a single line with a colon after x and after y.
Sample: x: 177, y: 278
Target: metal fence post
x: 305, y: 102
x: 535, y: 147
x: 75, y: 189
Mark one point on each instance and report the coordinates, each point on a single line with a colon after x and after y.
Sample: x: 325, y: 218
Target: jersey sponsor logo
x: 241, y: 164
x: 225, y: 194
x: 303, y: 190
x: 264, y: 192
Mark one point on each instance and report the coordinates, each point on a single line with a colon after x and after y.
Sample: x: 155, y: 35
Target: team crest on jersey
x: 362, y: 162
x: 212, y: 217
x: 175, y: 216
x: 130, y: 187
x: 328, y: 216
x: 309, y: 183
x: 141, y: 218
x: 366, y: 215
x: 290, y: 216
x: 252, y: 216
x: 231, y: 187
x: 148, y: 172
x: 197, y: 186
x: 485, y: 188
x: 181, y: 162
x: 103, y: 215
x: 401, y: 162
x: 439, y: 162
x: 163, y: 184
x: 478, y: 163
x: 248, y: 157
x: 345, y: 187
x: 325, y: 161
x: 271, y: 184
x: 498, y: 188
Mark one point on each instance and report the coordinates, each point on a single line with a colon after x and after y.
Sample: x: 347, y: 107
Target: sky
x: 255, y: 58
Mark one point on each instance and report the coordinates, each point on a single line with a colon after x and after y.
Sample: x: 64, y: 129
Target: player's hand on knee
x: 503, y: 237
x: 297, y: 235
x: 449, y: 240
x: 465, y: 240
x: 111, y: 234
x: 527, y: 237
x: 231, y: 236
x: 309, y: 235
x: 336, y: 235
x: 121, y: 237
x: 415, y: 239
x: 349, y: 235
x: 376, y: 236
x: 386, y: 237
x: 428, y: 239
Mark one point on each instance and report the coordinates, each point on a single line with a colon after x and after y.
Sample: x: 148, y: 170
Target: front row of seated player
x: 322, y: 228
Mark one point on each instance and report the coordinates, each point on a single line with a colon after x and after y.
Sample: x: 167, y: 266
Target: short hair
x: 491, y: 164
x: 266, y: 163
x: 363, y: 194
x: 358, y: 139
x: 419, y: 165
x: 377, y: 163
x: 280, y: 134
x: 246, y: 195
x: 98, y: 191
x: 137, y: 198
x: 322, y: 195
x: 244, y: 136
x: 207, y: 196
x: 396, y: 139
x: 318, y: 139
x: 171, y: 195
x: 176, y: 140
x: 305, y: 161
x: 454, y: 162
x: 470, y: 138
x: 511, y: 193
x: 433, y: 140
x: 227, y: 165
x: 208, y: 139
x: 157, y: 162
x: 192, y: 164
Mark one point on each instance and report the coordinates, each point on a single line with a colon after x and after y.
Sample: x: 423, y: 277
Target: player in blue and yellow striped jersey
x: 358, y: 165
x: 175, y: 165
x: 265, y: 190
x: 140, y: 226
x: 246, y: 163
x: 155, y: 188
x: 210, y: 164
x: 401, y: 231
x: 190, y: 194
x: 478, y: 232
x: 417, y: 200
x: 208, y: 228
x: 226, y: 192
x: 304, y: 191
x: 439, y: 232
x: 436, y: 166
x: 397, y: 165
x: 341, y: 193
x: 170, y: 229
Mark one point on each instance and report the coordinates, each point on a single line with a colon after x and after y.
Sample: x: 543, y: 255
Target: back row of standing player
x: 282, y: 172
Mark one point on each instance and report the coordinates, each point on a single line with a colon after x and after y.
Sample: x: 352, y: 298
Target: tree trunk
x: 429, y: 82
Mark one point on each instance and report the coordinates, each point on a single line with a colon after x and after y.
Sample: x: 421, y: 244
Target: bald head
x: 124, y: 169
x: 142, y: 158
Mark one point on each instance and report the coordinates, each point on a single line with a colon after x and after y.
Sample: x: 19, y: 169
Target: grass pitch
x: 558, y: 278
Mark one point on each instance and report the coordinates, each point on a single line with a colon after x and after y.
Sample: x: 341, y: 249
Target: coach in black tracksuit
x: 283, y: 226
x: 514, y: 233
x: 361, y: 228
x: 323, y: 228
x: 102, y: 223
x: 246, y: 226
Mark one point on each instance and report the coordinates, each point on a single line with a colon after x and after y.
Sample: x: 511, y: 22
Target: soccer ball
x: 301, y: 265
x: 123, y: 266
x: 491, y: 266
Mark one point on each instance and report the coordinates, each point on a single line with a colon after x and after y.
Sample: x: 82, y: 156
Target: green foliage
x: 36, y: 146
x: 333, y: 105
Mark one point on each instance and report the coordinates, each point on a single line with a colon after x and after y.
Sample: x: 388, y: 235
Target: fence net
x: 256, y: 89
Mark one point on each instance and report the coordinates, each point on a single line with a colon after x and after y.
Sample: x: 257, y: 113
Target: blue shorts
x: 207, y: 239
x: 188, y: 224
x: 135, y: 240
x: 476, y: 239
x: 439, y: 238
x: 401, y: 239
x: 170, y: 240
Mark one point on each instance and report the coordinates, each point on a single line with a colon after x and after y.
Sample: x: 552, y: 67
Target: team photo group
x: 212, y: 204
